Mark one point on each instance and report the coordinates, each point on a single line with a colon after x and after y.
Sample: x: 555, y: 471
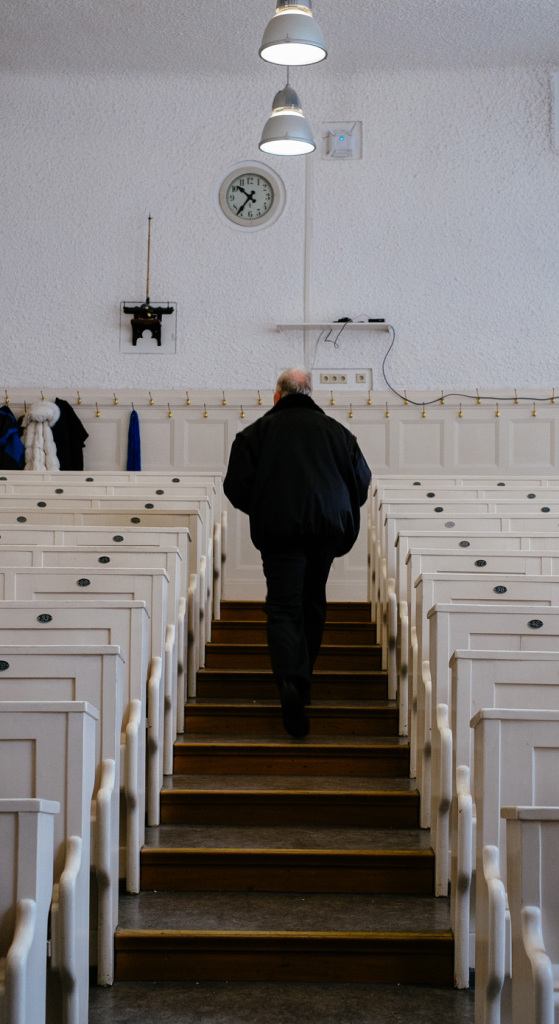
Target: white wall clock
x: 251, y: 196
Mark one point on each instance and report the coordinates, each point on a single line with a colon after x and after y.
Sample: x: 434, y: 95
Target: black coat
x: 299, y: 475
x: 69, y: 436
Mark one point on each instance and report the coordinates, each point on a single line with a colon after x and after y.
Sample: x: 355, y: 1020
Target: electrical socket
x: 333, y: 377
x: 351, y: 378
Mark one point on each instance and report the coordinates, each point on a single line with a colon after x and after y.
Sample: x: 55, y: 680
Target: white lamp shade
x: 287, y: 132
x: 293, y: 38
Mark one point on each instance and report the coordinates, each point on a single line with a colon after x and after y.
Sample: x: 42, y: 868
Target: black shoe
x: 295, y: 720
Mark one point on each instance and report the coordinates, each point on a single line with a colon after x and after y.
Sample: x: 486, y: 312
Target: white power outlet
x: 353, y: 379
x: 334, y: 377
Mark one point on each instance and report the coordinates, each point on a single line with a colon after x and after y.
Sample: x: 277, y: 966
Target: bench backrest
x: 47, y: 750
x: 532, y: 857
x: 516, y: 755
x: 26, y: 853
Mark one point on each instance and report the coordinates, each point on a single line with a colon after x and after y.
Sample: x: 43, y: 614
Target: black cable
x: 453, y: 394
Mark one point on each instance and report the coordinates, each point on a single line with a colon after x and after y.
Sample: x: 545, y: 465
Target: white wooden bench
x: 152, y: 484
x: 393, y: 487
x: 480, y: 679
x: 131, y: 557
x: 92, y: 675
x: 149, y: 585
x: 457, y: 626
x: 123, y: 522
x: 473, y: 547
x: 468, y: 526
x: 26, y: 861
x: 476, y: 560
x: 196, y: 506
x: 47, y: 751
x: 146, y: 565
x: 125, y: 624
x: 532, y: 858
x: 433, y: 589
x: 178, y: 537
x: 516, y: 756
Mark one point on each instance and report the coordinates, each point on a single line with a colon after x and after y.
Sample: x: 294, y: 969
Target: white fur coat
x: 40, y: 449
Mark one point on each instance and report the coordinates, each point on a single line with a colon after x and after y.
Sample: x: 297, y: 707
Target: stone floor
x: 267, y: 1003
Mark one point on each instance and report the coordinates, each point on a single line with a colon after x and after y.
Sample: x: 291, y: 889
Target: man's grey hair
x: 297, y: 381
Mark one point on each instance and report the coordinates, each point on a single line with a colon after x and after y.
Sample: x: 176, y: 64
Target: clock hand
x: 249, y: 199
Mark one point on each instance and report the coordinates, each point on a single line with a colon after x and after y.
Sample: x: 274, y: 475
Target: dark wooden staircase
x: 283, y: 860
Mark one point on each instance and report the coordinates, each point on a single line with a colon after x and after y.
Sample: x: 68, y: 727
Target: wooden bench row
x: 108, y: 590
x: 485, y: 600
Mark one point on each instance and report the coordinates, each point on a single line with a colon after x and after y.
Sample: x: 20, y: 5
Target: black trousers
x: 296, y: 580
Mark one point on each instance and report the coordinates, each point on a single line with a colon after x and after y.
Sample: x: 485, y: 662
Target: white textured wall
x: 448, y: 227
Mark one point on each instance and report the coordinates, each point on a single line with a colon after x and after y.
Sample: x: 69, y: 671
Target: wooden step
x: 389, y: 756
x: 331, y: 656
x: 258, y: 684
x: 252, y: 632
x: 269, y: 870
x: 337, y: 611
x: 287, y: 936
x: 261, y: 719
x: 161, y: 955
x: 275, y: 801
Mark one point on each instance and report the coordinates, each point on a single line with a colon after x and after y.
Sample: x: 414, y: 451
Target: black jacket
x: 69, y: 436
x: 299, y: 475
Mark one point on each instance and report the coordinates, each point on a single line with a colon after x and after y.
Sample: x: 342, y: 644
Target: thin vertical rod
x: 149, y: 247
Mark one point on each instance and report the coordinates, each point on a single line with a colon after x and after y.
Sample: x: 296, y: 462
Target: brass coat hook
x: 242, y: 413
x: 534, y: 413
x: 406, y: 398
x: 79, y: 399
x: 423, y: 413
x: 97, y: 413
x: 442, y: 398
x: 332, y: 402
x: 478, y: 399
x: 369, y: 399
x: 515, y: 397
x: 350, y: 411
x: 151, y: 402
x: 387, y: 414
x: 170, y: 412
x: 460, y: 413
x: 497, y: 413
x: 7, y: 397
x: 187, y: 398
x: 259, y: 399
x: 205, y: 412
x: 115, y: 399
x: 223, y: 400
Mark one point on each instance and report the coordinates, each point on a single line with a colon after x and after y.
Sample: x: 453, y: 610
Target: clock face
x: 251, y: 196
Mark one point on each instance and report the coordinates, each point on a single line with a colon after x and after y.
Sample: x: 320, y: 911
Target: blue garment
x: 12, y: 452
x: 134, y: 449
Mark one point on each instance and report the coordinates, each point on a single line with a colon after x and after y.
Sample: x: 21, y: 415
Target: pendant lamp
x: 293, y: 37
x: 287, y: 131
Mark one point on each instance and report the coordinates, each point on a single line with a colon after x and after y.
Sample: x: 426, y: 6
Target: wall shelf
x: 347, y: 325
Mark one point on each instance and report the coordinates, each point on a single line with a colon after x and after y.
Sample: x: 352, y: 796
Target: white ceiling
x: 201, y: 37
